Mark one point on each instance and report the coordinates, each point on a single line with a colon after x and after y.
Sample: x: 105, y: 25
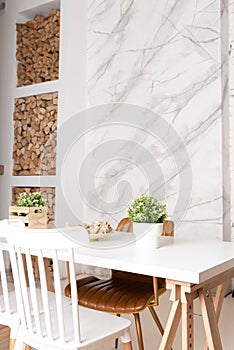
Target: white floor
x: 152, y: 336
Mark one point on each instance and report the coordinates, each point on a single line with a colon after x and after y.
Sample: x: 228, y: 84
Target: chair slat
x: 8, y: 311
x: 24, y: 290
x: 75, y: 309
x: 44, y: 294
x: 19, y: 298
x: 59, y: 296
x: 6, y: 304
x: 33, y: 292
x: 51, y: 320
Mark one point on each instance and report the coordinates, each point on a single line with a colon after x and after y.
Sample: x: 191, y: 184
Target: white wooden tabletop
x: 183, y: 258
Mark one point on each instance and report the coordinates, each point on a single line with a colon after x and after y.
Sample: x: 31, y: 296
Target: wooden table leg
x: 25, y: 268
x: 218, y: 302
x: 187, y: 326
x: 210, y: 320
x: 171, y: 326
x: 127, y: 346
x: 183, y: 295
x: 68, y: 272
x: 49, y: 274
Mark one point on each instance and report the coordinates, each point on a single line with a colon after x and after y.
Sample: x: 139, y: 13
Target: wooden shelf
x: 1, y: 169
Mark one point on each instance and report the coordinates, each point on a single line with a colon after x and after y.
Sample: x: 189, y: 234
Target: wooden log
x: 33, y: 149
x: 38, y: 49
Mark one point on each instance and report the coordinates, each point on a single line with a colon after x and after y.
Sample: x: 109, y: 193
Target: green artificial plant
x: 147, y: 209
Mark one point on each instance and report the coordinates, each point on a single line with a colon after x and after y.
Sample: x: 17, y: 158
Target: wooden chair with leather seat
x: 124, y: 292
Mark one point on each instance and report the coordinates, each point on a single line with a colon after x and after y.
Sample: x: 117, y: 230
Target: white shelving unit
x: 71, y: 86
x: 24, y: 16
x: 37, y: 89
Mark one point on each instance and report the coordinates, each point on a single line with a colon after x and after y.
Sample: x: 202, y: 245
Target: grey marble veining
x: 165, y: 58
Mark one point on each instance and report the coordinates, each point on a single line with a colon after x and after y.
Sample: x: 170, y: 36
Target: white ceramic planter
x: 147, y: 234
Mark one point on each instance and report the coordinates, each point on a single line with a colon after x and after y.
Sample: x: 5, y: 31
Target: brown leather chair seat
x: 120, y: 295
x: 124, y: 292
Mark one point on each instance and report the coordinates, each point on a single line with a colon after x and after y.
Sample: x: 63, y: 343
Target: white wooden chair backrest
x: 42, y: 313
x: 7, y: 300
x: 6, y: 307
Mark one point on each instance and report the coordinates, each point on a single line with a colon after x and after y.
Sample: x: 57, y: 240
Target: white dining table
x: 192, y: 266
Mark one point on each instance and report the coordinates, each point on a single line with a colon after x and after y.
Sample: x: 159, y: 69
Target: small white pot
x: 147, y: 234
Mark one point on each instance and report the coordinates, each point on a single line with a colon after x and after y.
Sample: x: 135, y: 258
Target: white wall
x: 72, y: 92
x: 231, y: 69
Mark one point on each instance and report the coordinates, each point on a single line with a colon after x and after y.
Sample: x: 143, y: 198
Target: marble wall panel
x: 163, y: 57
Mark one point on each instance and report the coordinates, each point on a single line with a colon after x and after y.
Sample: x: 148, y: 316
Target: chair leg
x: 127, y: 346
x: 156, y: 319
x: 139, y: 331
x: 11, y: 344
x: 18, y: 345
x: 116, y: 343
x: 117, y: 339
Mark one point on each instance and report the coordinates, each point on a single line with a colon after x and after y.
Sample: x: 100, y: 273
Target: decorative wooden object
x: 32, y: 217
x: 48, y: 193
x: 1, y: 169
x: 35, y: 135
x: 38, y: 49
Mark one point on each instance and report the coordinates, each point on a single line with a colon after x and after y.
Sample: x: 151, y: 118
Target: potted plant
x: 30, y: 200
x: 30, y: 208
x: 147, y: 214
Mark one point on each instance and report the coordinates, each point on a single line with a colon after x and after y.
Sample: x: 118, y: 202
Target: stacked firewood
x: 38, y: 49
x: 48, y: 193
x: 35, y: 132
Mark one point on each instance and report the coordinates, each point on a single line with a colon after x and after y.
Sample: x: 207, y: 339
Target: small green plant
x: 30, y: 200
x: 147, y: 209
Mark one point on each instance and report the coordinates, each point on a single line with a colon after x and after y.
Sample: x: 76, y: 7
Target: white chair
x: 62, y: 324
x: 8, y: 309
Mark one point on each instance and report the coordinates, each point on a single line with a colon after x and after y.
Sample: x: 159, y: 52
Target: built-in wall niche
x: 48, y: 193
x: 35, y: 135
x: 38, y: 40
